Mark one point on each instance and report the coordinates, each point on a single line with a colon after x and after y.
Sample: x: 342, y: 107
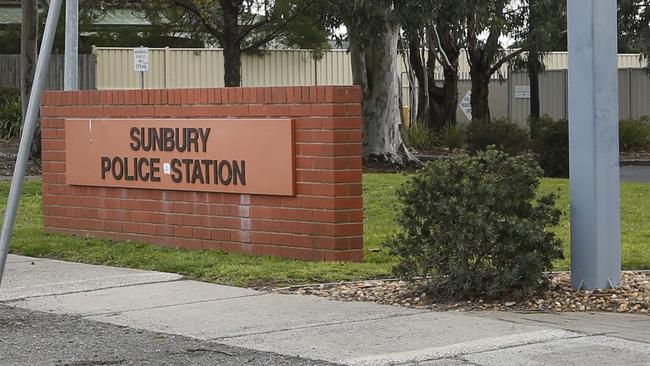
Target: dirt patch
x: 8, y: 153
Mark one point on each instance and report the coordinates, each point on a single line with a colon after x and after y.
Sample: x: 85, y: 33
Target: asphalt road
x: 635, y: 173
x: 36, y: 338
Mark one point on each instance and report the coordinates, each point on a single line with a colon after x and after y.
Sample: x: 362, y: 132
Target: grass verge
x: 243, y: 270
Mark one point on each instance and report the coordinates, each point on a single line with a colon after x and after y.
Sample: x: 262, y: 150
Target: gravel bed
x: 632, y: 297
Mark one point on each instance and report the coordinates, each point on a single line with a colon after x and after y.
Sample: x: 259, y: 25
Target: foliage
x: 634, y: 27
x: 551, y: 145
x: 502, y: 133
x: 634, y: 134
x: 452, y: 136
x: 487, y: 21
x: 240, y: 26
x: 475, y: 221
x: 10, y: 113
x: 380, y: 212
x: 419, y: 137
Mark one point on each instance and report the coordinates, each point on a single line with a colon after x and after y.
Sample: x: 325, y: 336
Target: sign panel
x: 141, y: 59
x: 253, y: 156
x: 522, y: 91
x: 466, y: 105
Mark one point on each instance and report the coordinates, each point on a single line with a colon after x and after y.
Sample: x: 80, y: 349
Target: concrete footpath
x: 312, y: 328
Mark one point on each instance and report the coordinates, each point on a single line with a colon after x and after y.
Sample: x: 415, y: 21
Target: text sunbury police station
x: 183, y: 141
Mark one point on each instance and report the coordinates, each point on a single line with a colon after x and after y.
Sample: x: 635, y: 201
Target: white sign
x: 141, y: 59
x: 466, y: 105
x: 522, y: 91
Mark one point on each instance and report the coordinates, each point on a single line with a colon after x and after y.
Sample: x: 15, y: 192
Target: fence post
x: 630, y: 102
x: 509, y: 88
x: 167, y: 71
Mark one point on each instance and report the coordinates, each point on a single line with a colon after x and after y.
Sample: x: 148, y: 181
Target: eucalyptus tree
x: 373, y: 32
x: 634, y: 27
x: 486, y: 22
x: 445, y: 40
x: 240, y: 26
x: 434, y: 36
x: 543, y: 29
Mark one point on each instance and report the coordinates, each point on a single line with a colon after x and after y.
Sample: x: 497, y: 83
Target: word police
x: 181, y: 140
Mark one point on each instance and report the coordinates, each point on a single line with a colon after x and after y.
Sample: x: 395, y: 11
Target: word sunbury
x: 181, y: 168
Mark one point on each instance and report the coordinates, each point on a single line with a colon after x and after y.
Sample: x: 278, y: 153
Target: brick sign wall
x: 320, y: 220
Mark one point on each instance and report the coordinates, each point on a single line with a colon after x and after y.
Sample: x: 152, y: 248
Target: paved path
x: 635, y: 173
x: 348, y: 333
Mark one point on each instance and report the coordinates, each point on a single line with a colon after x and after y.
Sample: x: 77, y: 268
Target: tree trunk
x: 28, y: 49
x: 443, y: 100
x: 533, y: 76
x: 374, y: 68
x: 231, y: 44
x: 418, y: 68
x: 480, y: 74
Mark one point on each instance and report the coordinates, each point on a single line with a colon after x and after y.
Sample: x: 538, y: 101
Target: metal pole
x: 71, y: 67
x: 141, y: 79
x: 28, y: 132
x: 593, y: 136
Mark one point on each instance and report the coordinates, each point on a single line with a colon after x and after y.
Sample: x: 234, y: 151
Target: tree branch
x: 192, y: 8
x: 270, y: 36
x: 505, y: 59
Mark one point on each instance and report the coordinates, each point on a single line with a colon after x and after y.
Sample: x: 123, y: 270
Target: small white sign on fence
x: 466, y: 105
x: 141, y: 59
x: 522, y: 91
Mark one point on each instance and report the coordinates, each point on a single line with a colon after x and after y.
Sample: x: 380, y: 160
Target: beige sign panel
x: 253, y: 156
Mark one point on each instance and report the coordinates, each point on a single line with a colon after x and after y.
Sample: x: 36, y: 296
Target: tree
x: 445, y: 40
x: 544, y: 24
x: 634, y: 27
x: 242, y: 25
x: 486, y: 22
x: 28, y: 49
x: 373, y: 32
x: 434, y: 32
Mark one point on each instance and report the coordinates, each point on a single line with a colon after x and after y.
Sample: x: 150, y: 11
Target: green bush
x: 10, y: 113
x: 475, y: 226
x: 634, y: 134
x: 502, y: 133
x: 452, y: 136
x: 551, y: 146
x: 419, y: 137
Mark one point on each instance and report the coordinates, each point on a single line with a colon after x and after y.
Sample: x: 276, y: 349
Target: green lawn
x: 243, y: 270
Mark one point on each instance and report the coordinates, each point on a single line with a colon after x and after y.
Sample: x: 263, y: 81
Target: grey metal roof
x: 123, y: 17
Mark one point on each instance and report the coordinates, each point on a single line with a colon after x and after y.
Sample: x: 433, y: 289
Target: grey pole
x: 71, y: 59
x: 28, y: 132
x: 593, y: 148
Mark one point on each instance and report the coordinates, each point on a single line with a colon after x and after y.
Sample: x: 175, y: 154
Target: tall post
x: 28, y: 132
x: 71, y: 59
x: 593, y: 137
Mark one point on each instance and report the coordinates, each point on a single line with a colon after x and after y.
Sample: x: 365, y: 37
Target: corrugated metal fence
x: 112, y: 68
x: 203, y: 67
x: 10, y: 72
x: 634, y: 94
x: 200, y: 68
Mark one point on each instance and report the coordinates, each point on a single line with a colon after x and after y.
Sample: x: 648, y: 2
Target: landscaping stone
x: 632, y: 297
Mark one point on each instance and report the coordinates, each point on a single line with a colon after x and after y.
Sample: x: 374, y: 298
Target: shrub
x: 634, y: 134
x: 551, y: 146
x: 452, y: 136
x: 503, y: 133
x: 475, y: 222
x: 10, y: 113
x: 419, y: 137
